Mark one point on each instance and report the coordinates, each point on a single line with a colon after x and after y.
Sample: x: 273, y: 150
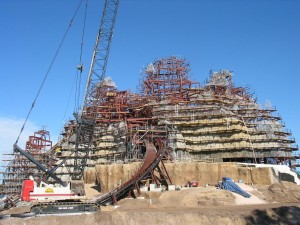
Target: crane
x: 86, y: 119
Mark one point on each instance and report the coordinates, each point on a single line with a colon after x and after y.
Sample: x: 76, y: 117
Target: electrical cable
x: 49, y: 69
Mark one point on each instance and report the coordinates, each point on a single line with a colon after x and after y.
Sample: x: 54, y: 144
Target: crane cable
x: 49, y: 69
x: 80, y: 66
x: 76, y: 80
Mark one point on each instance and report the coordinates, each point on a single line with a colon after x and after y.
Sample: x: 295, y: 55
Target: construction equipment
x: 52, y: 201
x: 44, y: 191
x: 39, y: 165
x: 64, y: 207
x: 67, y: 197
x: 86, y: 119
x: 48, y: 198
x: 192, y: 184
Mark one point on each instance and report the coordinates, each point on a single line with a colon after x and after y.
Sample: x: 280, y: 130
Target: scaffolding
x: 18, y: 167
x: 217, y: 121
x: 168, y: 79
x: 213, y: 122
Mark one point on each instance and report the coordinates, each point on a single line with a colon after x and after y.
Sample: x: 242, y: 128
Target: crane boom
x: 101, y: 52
x: 39, y: 165
x: 87, y: 118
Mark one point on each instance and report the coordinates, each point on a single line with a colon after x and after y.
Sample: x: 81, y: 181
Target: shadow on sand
x: 281, y: 215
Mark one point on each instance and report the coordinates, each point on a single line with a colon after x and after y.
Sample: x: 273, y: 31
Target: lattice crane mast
x: 86, y: 119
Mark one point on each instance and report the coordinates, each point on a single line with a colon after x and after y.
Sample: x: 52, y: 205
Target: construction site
x: 175, y: 138
x: 214, y: 122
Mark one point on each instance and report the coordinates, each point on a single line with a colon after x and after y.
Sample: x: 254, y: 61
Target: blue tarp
x: 228, y: 184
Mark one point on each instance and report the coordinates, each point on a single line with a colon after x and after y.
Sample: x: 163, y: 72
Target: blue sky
x: 256, y: 39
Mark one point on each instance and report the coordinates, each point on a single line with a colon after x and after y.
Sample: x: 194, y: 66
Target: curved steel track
x: 151, y: 162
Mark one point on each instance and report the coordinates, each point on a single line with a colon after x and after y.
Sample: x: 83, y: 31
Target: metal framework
x: 168, y: 79
x: 217, y: 121
x: 213, y: 122
x: 19, y: 167
x: 149, y: 170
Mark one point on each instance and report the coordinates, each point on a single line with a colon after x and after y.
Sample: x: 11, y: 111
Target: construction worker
x: 58, y: 151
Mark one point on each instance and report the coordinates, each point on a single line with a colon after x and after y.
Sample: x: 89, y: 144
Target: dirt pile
x: 183, y: 199
x: 281, y: 192
x: 196, y: 197
x: 203, y: 205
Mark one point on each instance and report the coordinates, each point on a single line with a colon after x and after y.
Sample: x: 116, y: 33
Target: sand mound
x: 196, y: 197
x: 281, y: 192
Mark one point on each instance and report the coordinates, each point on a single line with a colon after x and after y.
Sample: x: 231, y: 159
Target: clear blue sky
x: 259, y: 40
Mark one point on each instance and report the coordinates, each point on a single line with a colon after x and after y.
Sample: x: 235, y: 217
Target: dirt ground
x: 274, y: 204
